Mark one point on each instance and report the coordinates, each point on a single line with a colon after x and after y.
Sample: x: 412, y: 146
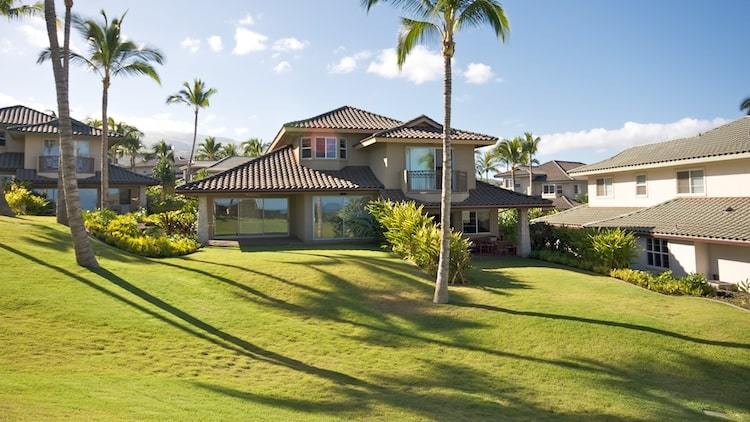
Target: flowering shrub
x: 666, y: 282
x: 25, y: 202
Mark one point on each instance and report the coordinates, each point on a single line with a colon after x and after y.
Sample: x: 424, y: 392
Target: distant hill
x: 181, y: 141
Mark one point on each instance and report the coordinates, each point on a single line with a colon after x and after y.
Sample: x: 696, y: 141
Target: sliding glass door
x: 251, y: 216
x: 335, y: 217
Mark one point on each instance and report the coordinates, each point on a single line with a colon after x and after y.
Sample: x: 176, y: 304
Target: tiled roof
x: 279, y: 171
x: 346, y: 117
x: 228, y: 163
x: 564, y: 203
x: 584, y: 215
x: 424, y: 127
x: 117, y: 176
x: 11, y: 160
x: 51, y: 127
x: 711, y: 218
x: 731, y: 138
x: 485, y: 195
x: 22, y: 115
x: 554, y: 170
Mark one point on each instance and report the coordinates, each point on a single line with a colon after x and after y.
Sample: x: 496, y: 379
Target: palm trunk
x: 513, y: 177
x: 4, y: 207
x: 60, y: 213
x: 83, y: 252
x: 531, y: 177
x: 192, y: 150
x: 104, y: 156
x: 443, y: 273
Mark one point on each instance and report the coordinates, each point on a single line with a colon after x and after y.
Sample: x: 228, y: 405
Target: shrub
x: 414, y: 236
x: 614, y: 248
x: 23, y: 201
x: 160, y: 200
x: 665, y: 282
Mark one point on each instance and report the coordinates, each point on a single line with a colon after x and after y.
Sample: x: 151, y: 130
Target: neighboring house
x: 687, y: 199
x: 213, y: 166
x: 29, y: 152
x: 146, y: 167
x: 551, y: 180
x: 319, y: 171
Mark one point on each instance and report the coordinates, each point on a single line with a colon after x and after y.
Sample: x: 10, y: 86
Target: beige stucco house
x: 687, y: 199
x: 317, y: 169
x: 30, y: 150
x: 550, y: 180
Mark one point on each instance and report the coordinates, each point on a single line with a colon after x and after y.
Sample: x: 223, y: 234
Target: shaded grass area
x: 348, y: 331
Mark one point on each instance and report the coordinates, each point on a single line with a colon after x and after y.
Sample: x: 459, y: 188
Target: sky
x: 589, y: 77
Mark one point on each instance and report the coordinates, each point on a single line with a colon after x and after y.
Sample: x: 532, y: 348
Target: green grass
x: 341, y: 332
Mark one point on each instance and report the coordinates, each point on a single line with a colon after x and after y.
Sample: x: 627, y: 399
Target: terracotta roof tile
x: 553, y: 170
x: 118, y: 176
x: 51, y: 127
x: 22, y: 115
x: 485, y: 195
x: 346, y: 117
x: 584, y: 215
x: 424, y: 127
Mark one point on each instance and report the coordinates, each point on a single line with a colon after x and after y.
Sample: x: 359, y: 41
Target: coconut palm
x: 209, y: 149
x: 60, y: 58
x: 130, y: 146
x: 443, y: 19
x: 512, y: 153
x: 229, y: 150
x: 163, y: 151
x: 110, y: 55
x: 745, y: 105
x: 530, y: 147
x: 196, y: 96
x: 253, y: 147
x: 13, y: 10
x: 486, y: 162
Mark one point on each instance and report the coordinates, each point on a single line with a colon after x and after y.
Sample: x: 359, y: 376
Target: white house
x: 687, y: 199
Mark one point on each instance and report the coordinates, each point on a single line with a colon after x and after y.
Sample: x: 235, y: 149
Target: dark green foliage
x: 666, y: 283
x: 359, y: 221
x: 160, y: 201
x: 614, y: 248
x: 590, y: 249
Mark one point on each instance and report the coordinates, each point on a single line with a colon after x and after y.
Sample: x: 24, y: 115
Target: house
x: 688, y: 200
x: 29, y: 153
x: 319, y: 171
x: 550, y: 180
x: 146, y: 167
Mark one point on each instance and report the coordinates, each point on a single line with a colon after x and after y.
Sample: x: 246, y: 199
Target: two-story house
x: 687, y: 199
x: 317, y: 171
x: 30, y: 151
x: 551, y: 180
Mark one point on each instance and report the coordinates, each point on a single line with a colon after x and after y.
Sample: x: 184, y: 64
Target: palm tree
x: 12, y: 10
x: 229, y: 150
x: 511, y: 152
x: 530, y: 147
x: 110, y: 55
x: 163, y: 151
x: 253, y: 147
x: 131, y: 146
x: 745, y: 105
x: 61, y: 68
x: 443, y: 18
x: 209, y: 149
x: 196, y: 96
x: 486, y: 162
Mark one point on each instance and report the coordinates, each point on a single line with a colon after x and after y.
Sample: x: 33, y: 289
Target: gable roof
x: 584, y: 215
x: 553, y: 170
x: 423, y: 127
x: 729, y: 139
x: 562, y: 202
x: 486, y: 195
x: 22, y: 115
x: 279, y: 171
x: 346, y: 117
x: 51, y: 127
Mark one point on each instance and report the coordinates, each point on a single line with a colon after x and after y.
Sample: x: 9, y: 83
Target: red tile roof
x: 424, y: 127
x: 346, y: 117
x: 486, y: 195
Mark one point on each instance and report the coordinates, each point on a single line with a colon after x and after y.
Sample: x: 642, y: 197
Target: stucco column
x: 524, y: 237
x: 203, y: 220
x: 142, y: 199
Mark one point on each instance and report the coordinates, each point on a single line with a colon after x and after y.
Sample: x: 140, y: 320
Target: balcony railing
x: 432, y: 181
x: 51, y: 163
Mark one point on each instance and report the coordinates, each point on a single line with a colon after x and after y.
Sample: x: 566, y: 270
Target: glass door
x: 420, y: 166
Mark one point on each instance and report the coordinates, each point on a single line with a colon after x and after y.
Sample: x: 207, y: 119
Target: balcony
x: 432, y: 181
x: 50, y: 164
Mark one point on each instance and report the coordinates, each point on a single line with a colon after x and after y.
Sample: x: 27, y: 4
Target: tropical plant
x: 164, y: 172
x: 110, y: 54
x: 11, y: 9
x: 443, y: 19
x: 614, y: 248
x: 25, y: 202
x: 530, y: 147
x: 60, y: 58
x: 253, y: 147
x: 745, y: 105
x: 196, y: 96
x: 163, y: 151
x: 209, y: 149
x: 485, y: 162
x: 229, y: 150
x: 512, y: 153
x: 5, y: 209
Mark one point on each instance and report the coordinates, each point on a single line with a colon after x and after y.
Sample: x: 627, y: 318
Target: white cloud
x: 421, y: 65
x: 247, y: 41
x: 214, y: 41
x: 630, y: 134
x: 348, y: 64
x: 247, y: 20
x: 239, y: 131
x: 282, y: 67
x: 289, y: 44
x: 338, y: 50
x: 34, y: 31
x: 191, y: 44
x: 478, y: 73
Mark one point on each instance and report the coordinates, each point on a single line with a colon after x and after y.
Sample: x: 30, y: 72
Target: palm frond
x: 137, y: 69
x: 412, y: 33
x: 481, y: 12
x: 745, y: 105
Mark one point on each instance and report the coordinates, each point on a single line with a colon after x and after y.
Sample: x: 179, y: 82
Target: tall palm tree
x: 61, y: 68
x: 163, y: 151
x: 530, y: 147
x: 130, y: 146
x: 253, y: 147
x: 12, y: 10
x: 110, y: 55
x: 196, y: 96
x: 745, y: 105
x: 443, y: 19
x: 209, y: 149
x: 486, y: 162
x: 229, y: 150
x: 511, y: 151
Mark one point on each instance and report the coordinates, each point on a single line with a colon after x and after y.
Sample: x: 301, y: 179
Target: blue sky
x: 591, y: 77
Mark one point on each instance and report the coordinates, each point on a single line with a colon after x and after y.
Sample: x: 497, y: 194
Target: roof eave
x: 661, y: 164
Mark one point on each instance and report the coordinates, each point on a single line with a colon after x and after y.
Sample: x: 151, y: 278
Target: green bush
x: 614, y: 248
x: 414, y: 236
x: 160, y: 200
x: 586, y: 248
x: 23, y: 201
x: 563, y: 258
x: 665, y: 282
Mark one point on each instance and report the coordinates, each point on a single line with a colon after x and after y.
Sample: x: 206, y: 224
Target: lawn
x: 344, y: 332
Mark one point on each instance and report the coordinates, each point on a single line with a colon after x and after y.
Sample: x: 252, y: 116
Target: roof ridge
x: 561, y: 169
x: 340, y: 108
x: 254, y: 160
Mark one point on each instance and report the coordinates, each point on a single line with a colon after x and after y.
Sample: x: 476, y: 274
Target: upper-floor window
x: 306, y: 147
x: 323, y: 147
x: 640, y: 185
x: 83, y: 148
x: 51, y: 148
x: 690, y: 182
x: 342, y: 149
x: 2, y: 138
x: 657, y: 253
x: 476, y: 221
x: 604, y: 187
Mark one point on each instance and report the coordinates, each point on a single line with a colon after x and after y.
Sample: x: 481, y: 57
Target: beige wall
x: 12, y: 143
x: 730, y: 263
x: 355, y: 157
x: 34, y: 147
x: 723, y: 178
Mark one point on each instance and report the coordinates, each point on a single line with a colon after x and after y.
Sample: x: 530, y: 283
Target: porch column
x: 524, y: 238
x: 203, y: 220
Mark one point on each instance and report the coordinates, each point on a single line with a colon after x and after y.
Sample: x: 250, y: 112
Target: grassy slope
x: 348, y: 333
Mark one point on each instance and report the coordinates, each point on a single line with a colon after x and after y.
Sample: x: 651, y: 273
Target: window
x: 690, y: 182
x: 51, y: 148
x: 306, y: 147
x: 332, y: 216
x: 475, y: 221
x: 576, y: 189
x: 508, y: 183
x: 548, y: 189
x: 657, y: 253
x: 118, y: 196
x: 83, y: 148
x: 558, y: 189
x: 342, y: 149
x: 604, y: 187
x: 251, y: 216
x: 640, y: 185
x: 325, y: 148
x: 2, y: 138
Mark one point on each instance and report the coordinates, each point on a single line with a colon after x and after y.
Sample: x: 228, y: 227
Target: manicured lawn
x: 347, y: 333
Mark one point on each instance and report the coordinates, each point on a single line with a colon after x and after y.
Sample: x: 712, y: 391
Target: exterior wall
x: 13, y: 143
x: 729, y: 263
x: 682, y: 258
x: 724, y: 178
x: 34, y: 146
x: 355, y: 157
